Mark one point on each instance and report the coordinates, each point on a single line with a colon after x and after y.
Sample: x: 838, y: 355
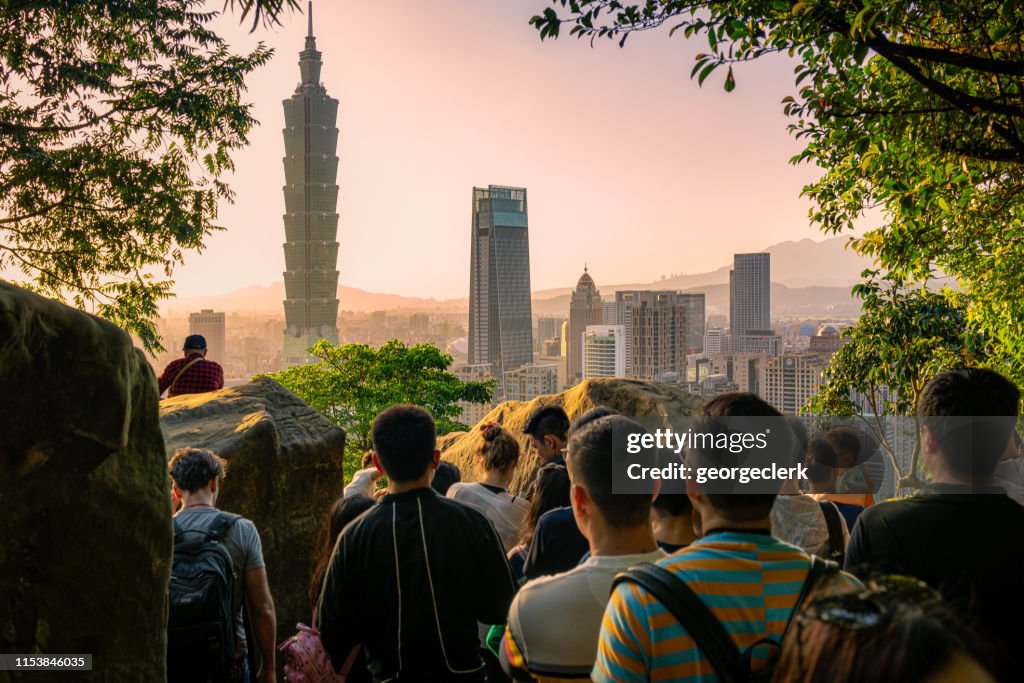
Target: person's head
x: 548, y: 430
x: 672, y: 518
x: 903, y: 634
x: 591, y: 415
x: 343, y: 511
x: 445, y: 475
x: 194, y: 343
x: 719, y: 417
x: 955, y: 447
x: 550, y: 491
x: 590, y: 459
x: 821, y: 466
x: 405, y: 443
x: 367, y: 460
x: 196, y: 470
x: 847, y: 444
x: 498, y: 450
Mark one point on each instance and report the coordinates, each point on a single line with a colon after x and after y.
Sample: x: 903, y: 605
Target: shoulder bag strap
x: 182, y: 372
x: 837, y: 547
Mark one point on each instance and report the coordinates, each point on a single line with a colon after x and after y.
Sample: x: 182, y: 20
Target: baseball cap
x: 194, y: 341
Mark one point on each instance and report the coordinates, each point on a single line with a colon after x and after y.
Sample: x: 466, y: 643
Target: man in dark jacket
x: 411, y: 579
x: 960, y: 534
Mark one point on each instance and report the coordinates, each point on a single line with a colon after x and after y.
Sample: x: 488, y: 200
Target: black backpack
x: 732, y: 665
x: 201, y: 618
x: 834, y: 521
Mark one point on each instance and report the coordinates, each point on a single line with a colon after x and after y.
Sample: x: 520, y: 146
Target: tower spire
x: 309, y: 16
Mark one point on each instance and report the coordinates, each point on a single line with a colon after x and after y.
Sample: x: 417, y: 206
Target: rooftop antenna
x: 309, y: 34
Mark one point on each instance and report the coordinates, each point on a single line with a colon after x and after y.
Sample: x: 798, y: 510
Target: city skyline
x: 444, y: 148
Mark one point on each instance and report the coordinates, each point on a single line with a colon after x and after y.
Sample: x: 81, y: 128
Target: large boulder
x: 85, y: 530
x: 284, y: 471
x: 629, y: 397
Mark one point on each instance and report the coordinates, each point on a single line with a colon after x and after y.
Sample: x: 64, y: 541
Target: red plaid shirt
x: 201, y: 377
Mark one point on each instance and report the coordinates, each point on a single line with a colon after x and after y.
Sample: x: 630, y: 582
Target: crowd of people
x: 430, y: 578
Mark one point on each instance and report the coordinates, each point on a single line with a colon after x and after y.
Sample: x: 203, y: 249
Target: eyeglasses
x: 864, y: 609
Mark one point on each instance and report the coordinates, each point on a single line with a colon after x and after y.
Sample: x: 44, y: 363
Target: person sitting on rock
x: 197, y: 474
x: 193, y: 374
x: 411, y: 578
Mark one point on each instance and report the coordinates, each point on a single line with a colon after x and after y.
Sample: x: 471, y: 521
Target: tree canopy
x: 913, y: 111
x: 351, y: 383
x: 117, y: 124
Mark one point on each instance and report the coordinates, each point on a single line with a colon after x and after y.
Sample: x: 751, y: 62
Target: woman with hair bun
x: 499, y: 453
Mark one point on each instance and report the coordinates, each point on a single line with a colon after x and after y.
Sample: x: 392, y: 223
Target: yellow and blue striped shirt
x: 750, y: 582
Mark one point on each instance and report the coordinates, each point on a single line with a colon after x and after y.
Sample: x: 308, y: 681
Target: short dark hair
x: 445, y: 475
x: 736, y: 507
x: 194, y: 468
x: 548, y: 420
x: 969, y: 447
x: 404, y: 439
x: 672, y: 505
x: 847, y: 440
x: 591, y: 415
x: 820, y: 460
x: 591, y: 456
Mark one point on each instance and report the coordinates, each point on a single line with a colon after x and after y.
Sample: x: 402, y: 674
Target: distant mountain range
x: 808, y: 278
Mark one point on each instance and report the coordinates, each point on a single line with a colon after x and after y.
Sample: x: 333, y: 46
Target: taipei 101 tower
x: 311, y: 218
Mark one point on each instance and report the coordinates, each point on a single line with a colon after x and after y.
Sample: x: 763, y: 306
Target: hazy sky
x: 629, y: 165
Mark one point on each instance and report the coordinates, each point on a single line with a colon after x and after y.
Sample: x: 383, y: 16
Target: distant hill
x: 805, y: 263
x: 808, y: 278
x: 259, y: 298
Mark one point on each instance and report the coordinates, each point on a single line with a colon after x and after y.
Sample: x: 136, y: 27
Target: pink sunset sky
x: 629, y: 165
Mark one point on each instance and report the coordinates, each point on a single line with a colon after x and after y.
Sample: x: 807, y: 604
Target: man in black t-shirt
x: 960, y: 534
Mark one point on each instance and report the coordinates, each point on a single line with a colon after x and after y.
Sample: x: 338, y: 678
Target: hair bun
x: 490, y: 431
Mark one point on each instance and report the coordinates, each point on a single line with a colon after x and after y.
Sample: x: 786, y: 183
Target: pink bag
x: 306, y: 661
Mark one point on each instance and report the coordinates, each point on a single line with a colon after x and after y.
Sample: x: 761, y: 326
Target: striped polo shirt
x: 749, y: 581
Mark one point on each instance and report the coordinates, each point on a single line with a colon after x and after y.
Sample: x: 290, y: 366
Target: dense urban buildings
x: 604, y: 351
x: 500, y: 308
x: 584, y: 310
x: 745, y: 370
x: 472, y: 412
x: 548, y: 329
x: 311, y: 218
x: 695, y: 305
x: 210, y: 324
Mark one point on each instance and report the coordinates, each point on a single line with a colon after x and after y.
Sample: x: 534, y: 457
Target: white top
x: 799, y: 520
x: 555, y: 621
x: 505, y: 511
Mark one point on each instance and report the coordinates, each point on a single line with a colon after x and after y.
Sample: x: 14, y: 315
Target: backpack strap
x: 837, y: 548
x: 220, y: 526
x: 711, y: 637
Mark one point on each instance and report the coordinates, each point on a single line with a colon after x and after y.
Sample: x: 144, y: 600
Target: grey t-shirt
x: 243, y: 544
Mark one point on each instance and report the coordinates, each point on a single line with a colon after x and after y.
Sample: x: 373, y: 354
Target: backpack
x: 836, y: 542
x: 201, y: 618
x: 306, y: 661
x: 731, y: 665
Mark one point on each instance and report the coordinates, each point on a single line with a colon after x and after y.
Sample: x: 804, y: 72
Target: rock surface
x: 85, y: 532
x: 629, y: 397
x: 284, y: 471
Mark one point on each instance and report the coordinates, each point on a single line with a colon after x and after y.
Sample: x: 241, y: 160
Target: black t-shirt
x: 967, y: 542
x: 557, y: 544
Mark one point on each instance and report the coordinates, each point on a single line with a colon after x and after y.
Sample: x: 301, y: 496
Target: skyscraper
x: 210, y: 324
x: 500, y: 310
x: 750, y: 302
x: 695, y: 320
x: 584, y: 310
x: 311, y: 202
x: 604, y: 351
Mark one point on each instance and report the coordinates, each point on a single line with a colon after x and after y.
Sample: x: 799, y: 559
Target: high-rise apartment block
x: 527, y: 382
x: 655, y: 324
x: 500, y: 318
x: 695, y: 320
x: 604, y: 351
x: 210, y: 324
x: 791, y: 379
x: 311, y: 218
